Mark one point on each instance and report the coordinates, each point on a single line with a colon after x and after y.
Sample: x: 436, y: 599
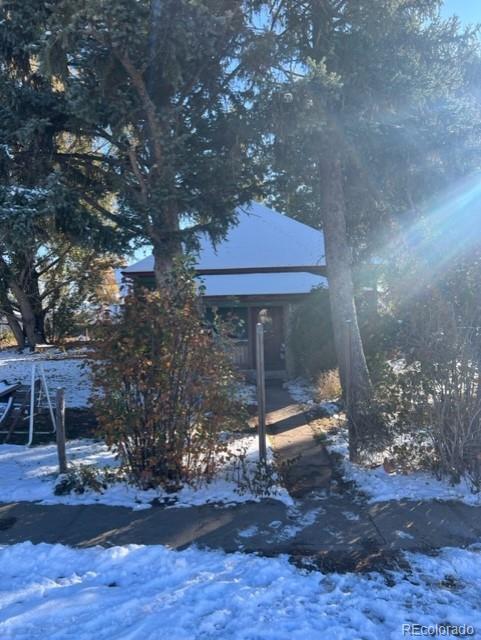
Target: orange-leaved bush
x: 164, y: 386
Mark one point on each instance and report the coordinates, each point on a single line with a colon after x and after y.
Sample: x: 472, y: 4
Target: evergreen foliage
x: 47, y: 223
x: 164, y: 87
x: 310, y: 336
x: 373, y: 110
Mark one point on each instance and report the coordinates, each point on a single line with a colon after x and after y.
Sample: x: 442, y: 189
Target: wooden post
x: 60, y: 431
x: 261, y: 391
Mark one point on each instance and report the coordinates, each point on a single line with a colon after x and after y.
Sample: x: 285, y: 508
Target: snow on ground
x: 246, y: 393
x: 376, y: 483
x: 30, y: 474
x: 303, y: 392
x: 381, y: 486
x: 72, y: 373
x: 60, y: 371
x: 276, y: 531
x: 135, y: 592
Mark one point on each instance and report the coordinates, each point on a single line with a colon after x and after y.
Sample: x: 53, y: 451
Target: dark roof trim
x: 315, y: 269
x: 255, y: 300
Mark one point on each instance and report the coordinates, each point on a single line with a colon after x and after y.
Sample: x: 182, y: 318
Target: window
x: 233, y: 318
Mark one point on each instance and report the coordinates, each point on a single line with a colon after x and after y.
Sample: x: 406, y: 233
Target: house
x: 267, y: 264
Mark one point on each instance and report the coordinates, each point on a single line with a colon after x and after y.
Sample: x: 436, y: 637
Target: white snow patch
x: 300, y: 522
x: 53, y: 591
x: 349, y: 515
x: 30, y: 474
x: 61, y: 370
x: 249, y: 532
x: 381, y: 486
x: 303, y: 392
x: 246, y: 393
x: 404, y: 535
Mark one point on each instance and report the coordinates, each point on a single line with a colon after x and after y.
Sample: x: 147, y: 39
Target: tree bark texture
x: 354, y: 372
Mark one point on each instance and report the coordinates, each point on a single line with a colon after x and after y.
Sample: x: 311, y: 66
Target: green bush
x: 85, y: 477
x: 310, y: 337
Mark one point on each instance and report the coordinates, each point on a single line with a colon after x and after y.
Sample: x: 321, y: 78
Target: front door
x: 273, y: 320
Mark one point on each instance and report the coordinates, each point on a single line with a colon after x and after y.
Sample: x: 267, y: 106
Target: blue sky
x: 467, y: 10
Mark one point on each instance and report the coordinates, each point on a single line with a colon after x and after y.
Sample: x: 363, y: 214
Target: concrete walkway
x: 303, y: 461
x: 326, y: 526
x: 333, y: 531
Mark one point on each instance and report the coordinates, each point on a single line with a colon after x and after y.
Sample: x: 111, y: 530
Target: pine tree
x: 44, y: 194
x: 164, y: 87
x: 366, y: 99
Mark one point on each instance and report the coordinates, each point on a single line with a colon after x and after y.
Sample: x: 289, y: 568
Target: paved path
x: 303, y: 460
x: 334, y: 529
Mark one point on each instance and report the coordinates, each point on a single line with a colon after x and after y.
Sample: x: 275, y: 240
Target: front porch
x: 241, y: 319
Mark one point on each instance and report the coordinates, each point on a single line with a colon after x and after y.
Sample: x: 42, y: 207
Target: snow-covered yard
x: 71, y: 371
x: 61, y: 370
x: 55, y: 592
x: 380, y: 486
x: 376, y: 483
x: 30, y: 474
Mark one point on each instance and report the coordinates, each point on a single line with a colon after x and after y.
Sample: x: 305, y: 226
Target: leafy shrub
x: 84, y: 477
x: 310, y: 338
x: 258, y: 478
x: 164, y: 386
x: 434, y: 393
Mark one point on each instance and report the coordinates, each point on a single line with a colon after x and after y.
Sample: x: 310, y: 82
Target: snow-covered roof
x: 262, y: 239
x: 256, y: 284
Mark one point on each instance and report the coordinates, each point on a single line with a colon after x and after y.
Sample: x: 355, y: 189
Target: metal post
x: 60, y: 431
x: 348, y: 363
x: 350, y: 405
x: 261, y: 391
x: 49, y: 400
x: 32, y: 406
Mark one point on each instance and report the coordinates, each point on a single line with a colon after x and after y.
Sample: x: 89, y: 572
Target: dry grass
x: 7, y: 340
x: 328, y: 386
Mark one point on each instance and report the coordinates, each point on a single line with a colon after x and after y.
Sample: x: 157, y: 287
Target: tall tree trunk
x: 15, y: 328
x: 355, y: 378
x: 26, y: 291
x: 164, y: 255
x: 33, y: 293
x: 166, y: 244
x: 8, y: 311
x: 32, y: 323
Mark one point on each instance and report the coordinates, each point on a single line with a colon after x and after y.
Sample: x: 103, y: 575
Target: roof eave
x: 315, y: 269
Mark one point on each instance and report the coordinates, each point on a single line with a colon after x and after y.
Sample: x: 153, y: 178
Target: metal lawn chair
x: 21, y: 403
x: 7, y: 398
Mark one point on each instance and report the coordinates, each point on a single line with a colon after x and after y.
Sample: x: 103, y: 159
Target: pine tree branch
x: 149, y: 107
x: 118, y: 220
x: 55, y: 262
